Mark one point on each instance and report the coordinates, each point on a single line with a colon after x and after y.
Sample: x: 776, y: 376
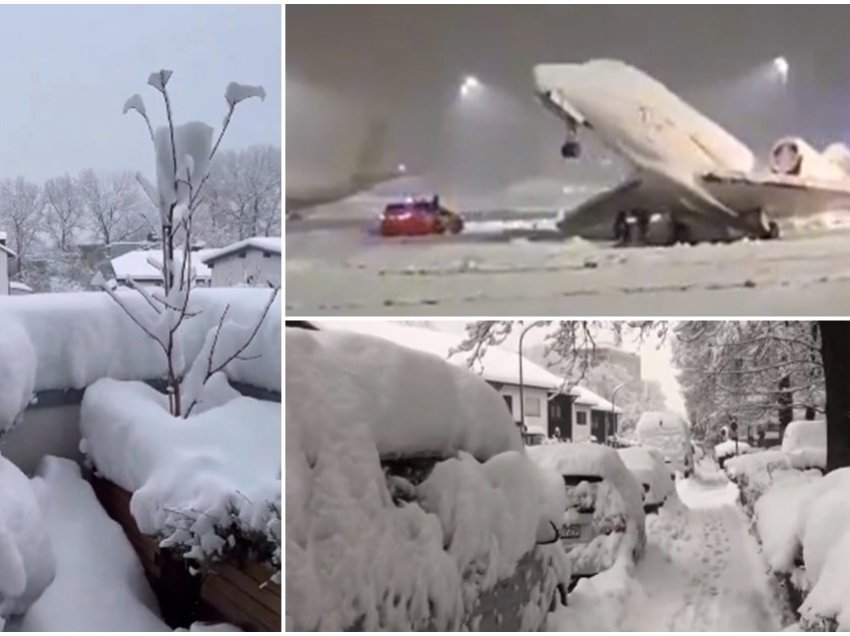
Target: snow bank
x: 199, y: 482
x: 78, y: 338
x: 18, y: 370
x: 414, y: 403
x: 100, y: 584
x: 805, y: 442
x: 26, y: 557
x: 647, y: 466
x: 730, y: 448
x: 670, y: 434
x: 370, y: 551
x: 618, y: 517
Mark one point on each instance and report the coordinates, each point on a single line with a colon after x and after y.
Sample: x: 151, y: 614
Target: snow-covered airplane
x: 688, y: 171
x: 367, y: 173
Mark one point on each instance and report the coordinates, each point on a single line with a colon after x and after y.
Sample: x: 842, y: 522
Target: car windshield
x: 407, y: 208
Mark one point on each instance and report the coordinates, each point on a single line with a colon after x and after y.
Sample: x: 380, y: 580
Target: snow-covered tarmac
x: 491, y: 270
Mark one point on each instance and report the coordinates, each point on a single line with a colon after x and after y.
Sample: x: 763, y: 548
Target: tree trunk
x: 835, y: 351
x: 785, y: 400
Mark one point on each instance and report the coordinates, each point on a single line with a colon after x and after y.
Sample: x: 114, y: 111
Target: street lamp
x: 470, y: 84
x: 521, y: 393
x: 613, y: 408
x: 781, y: 66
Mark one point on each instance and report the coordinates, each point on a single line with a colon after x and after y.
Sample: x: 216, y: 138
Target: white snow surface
x: 701, y: 572
x: 27, y: 564
x: 413, y: 402
x: 18, y: 370
x: 497, y: 364
x: 80, y: 337
x: 805, y: 442
x: 669, y: 433
x: 145, y: 265
x: 271, y: 244
x: 100, y: 584
x: 236, y: 92
x: 647, y: 466
x: 192, y: 145
x: 730, y: 448
x: 196, y: 480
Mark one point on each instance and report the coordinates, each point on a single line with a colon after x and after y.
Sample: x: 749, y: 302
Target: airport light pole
x: 521, y: 393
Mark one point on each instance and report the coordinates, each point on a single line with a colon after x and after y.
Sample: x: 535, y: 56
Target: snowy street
x: 333, y: 270
x: 701, y: 571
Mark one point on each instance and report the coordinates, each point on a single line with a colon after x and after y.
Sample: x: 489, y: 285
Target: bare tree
x: 112, y: 205
x: 21, y: 208
x: 63, y: 213
x: 183, y: 154
x: 244, y: 194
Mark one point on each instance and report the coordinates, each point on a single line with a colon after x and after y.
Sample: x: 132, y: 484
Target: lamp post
x: 613, y: 408
x: 521, y: 393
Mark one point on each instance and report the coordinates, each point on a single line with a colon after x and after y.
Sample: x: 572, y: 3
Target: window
x: 555, y: 411
x: 581, y: 417
x: 532, y: 406
x: 243, y: 253
x: 510, y: 402
x: 267, y: 254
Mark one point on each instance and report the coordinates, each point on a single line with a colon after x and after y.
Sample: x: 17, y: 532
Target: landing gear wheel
x: 681, y: 233
x: 772, y: 231
x: 571, y: 150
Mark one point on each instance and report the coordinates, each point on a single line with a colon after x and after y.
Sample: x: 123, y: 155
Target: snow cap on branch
x: 136, y: 103
x: 237, y: 92
x: 193, y: 142
x: 159, y: 79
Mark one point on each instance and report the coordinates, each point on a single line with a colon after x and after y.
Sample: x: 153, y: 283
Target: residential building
x: 6, y: 255
x: 141, y: 266
x: 254, y: 262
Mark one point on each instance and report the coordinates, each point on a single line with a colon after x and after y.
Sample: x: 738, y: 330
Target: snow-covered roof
x: 263, y: 243
x: 135, y: 264
x: 5, y: 248
x: 587, y: 397
x: 498, y: 365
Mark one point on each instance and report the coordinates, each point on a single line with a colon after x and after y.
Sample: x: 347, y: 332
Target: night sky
x: 348, y: 64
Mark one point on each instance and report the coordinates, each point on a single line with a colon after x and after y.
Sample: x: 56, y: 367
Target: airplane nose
x: 550, y: 76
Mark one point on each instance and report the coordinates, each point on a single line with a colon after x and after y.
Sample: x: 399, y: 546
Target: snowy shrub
x: 805, y: 442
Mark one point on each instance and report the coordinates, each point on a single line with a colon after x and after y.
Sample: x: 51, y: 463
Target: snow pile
x: 670, y: 434
x: 414, y: 403
x: 80, y: 337
x: 647, y: 466
x: 17, y: 368
x: 100, y: 584
x: 202, y: 482
x: 27, y: 564
x: 368, y: 550
x: 805, y: 442
x: 618, y: 517
x: 730, y: 448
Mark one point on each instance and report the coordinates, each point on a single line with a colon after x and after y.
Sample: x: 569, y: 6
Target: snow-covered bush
x: 730, y: 448
x: 369, y: 550
x: 208, y: 484
x: 27, y: 564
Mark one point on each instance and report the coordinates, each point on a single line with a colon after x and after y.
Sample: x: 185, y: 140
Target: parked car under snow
x: 648, y: 467
x: 604, y: 517
x: 411, y: 502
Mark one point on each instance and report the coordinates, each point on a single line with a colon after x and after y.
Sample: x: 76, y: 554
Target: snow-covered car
x: 670, y: 434
x: 730, y: 448
x: 805, y: 442
x: 604, y: 518
x: 411, y: 503
x: 648, y: 467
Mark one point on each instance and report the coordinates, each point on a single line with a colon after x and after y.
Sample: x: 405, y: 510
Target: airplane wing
x: 595, y: 217
x: 778, y: 195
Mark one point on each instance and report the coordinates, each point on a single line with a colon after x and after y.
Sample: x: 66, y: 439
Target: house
x: 254, y: 262
x: 136, y: 264
x: 6, y: 254
x: 549, y: 409
x: 19, y: 289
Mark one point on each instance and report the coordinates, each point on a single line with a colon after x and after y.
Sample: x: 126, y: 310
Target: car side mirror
x: 547, y: 532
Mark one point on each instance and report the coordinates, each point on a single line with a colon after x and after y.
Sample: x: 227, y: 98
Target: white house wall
x: 230, y: 270
x: 541, y: 421
x: 4, y: 273
x: 581, y: 432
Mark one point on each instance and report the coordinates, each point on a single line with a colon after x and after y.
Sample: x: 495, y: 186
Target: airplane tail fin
x: 370, y: 165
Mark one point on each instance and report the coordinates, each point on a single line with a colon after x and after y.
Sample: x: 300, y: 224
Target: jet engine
x: 794, y: 156
x: 838, y: 154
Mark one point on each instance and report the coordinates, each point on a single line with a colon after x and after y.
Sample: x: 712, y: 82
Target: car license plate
x: 572, y: 531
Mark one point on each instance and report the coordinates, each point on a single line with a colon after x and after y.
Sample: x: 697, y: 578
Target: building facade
x: 253, y: 262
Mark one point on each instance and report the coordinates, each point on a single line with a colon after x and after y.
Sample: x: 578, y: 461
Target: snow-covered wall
x: 69, y: 340
x: 255, y: 268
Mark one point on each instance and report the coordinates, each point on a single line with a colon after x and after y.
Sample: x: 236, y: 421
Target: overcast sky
x: 67, y: 70
x: 407, y: 62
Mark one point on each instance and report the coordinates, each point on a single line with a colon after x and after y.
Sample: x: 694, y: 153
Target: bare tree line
x: 243, y: 199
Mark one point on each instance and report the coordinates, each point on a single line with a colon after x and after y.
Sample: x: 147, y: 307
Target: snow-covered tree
x: 63, y: 211
x: 113, y: 209
x: 182, y: 155
x: 244, y: 194
x: 21, y: 207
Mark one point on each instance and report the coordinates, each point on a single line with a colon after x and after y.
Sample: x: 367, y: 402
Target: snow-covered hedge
x: 369, y: 550
x: 805, y: 442
x: 69, y: 340
x: 202, y: 483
